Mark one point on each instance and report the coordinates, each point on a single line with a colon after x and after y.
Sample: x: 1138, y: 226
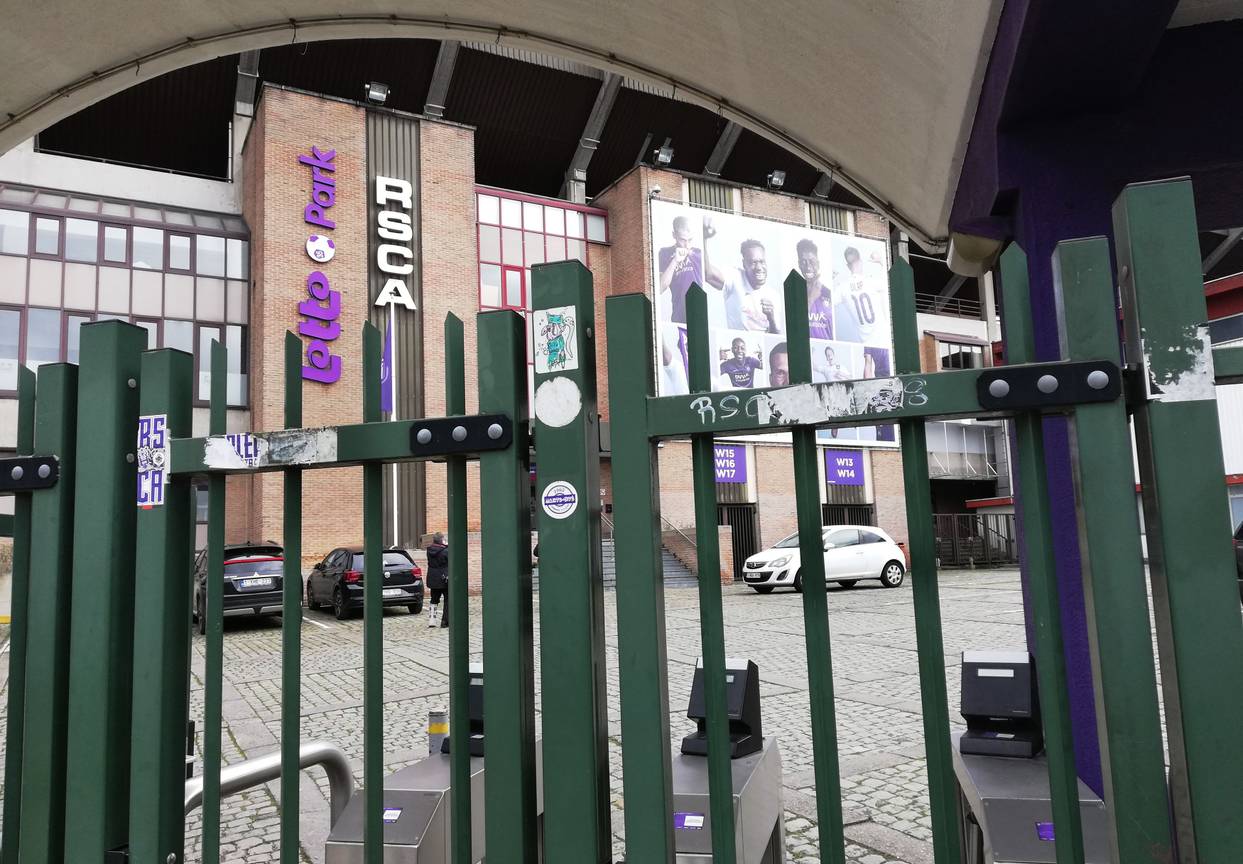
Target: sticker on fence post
x: 556, y: 340
x: 152, y: 460
x: 560, y: 499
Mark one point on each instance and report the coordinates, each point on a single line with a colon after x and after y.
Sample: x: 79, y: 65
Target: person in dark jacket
x: 438, y: 579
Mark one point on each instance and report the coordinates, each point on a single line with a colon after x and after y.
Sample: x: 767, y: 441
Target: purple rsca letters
x: 323, y: 305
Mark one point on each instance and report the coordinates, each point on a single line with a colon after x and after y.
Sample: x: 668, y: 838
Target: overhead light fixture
x: 376, y: 92
x: 663, y: 154
x: 776, y: 179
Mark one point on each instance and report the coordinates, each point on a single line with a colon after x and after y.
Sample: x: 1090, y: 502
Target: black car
x: 1238, y: 558
x: 337, y: 581
x: 252, y: 581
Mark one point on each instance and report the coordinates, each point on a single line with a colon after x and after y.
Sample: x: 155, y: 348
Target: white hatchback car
x: 851, y: 553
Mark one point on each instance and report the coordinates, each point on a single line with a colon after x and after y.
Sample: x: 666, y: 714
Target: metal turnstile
x: 417, y: 817
x: 1007, y: 816
x: 759, y: 825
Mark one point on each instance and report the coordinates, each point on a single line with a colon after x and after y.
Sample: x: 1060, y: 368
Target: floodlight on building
x: 376, y: 92
x: 776, y: 179
x: 663, y: 154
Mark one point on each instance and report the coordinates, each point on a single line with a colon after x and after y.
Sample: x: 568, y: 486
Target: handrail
x: 262, y: 769
x: 604, y: 519
x: 677, y: 529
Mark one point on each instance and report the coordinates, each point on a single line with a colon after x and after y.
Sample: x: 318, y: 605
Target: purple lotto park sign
x: 843, y: 467
x: 731, y: 463
x: 319, y: 312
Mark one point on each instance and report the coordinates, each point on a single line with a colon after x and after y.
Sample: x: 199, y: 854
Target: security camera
x: 654, y: 191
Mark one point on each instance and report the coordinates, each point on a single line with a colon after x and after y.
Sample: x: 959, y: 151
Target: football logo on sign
x: 320, y: 248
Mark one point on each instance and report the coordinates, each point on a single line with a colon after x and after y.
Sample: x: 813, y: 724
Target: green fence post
x: 1194, y: 592
x: 942, y: 784
x: 1041, y: 573
x: 642, y: 662
x: 213, y: 684
x: 102, y: 617
x: 711, y: 616
x: 18, y: 628
x: 571, y: 585
x: 815, y: 594
x: 47, y: 618
x: 291, y: 615
x: 161, y: 614
x: 508, y: 652
x: 1132, y: 752
x: 373, y: 613
x: 459, y: 605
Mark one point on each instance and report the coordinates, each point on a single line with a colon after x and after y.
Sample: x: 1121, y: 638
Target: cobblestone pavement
x: 884, y: 786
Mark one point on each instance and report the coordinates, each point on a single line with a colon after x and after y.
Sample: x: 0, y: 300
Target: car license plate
x: 393, y: 592
x: 261, y: 582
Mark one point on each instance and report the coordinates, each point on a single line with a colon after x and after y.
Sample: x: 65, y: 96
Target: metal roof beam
x: 948, y: 292
x: 724, y: 146
x: 1221, y: 250
x: 247, y: 83
x: 575, y: 186
x: 438, y: 90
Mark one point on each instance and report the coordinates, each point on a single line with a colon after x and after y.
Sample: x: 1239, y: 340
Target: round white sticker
x: 320, y: 248
x: 559, y: 500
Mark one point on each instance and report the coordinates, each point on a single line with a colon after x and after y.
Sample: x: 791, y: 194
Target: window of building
x: 10, y: 343
x: 116, y: 244
x: 14, y: 232
x: 178, y: 252
x: 47, y: 236
x: 958, y: 355
x: 828, y: 217
x: 709, y: 193
x: 81, y: 240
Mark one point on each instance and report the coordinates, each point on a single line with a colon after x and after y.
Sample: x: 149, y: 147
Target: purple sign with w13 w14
x: 730, y: 461
x: 843, y: 467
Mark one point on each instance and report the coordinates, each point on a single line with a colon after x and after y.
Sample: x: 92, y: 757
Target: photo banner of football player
x: 742, y: 262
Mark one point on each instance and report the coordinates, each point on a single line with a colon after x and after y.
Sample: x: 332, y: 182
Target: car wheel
x: 763, y: 589
x: 310, y: 600
x: 200, y: 618
x: 848, y: 583
x: 416, y: 607
x: 338, y: 605
x: 891, y: 576
x: 798, y: 582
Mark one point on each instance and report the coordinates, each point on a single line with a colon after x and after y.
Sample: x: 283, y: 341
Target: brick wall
x: 871, y: 224
x: 890, y: 495
x: 677, y: 496
x: 288, y: 125
x: 687, y: 553
x: 757, y: 202
x: 774, y: 476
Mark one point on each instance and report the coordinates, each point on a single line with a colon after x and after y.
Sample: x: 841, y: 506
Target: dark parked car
x: 1238, y: 558
x: 252, y: 581
x: 337, y: 581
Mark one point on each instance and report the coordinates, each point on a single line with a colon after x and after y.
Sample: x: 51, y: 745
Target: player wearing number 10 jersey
x: 861, y: 313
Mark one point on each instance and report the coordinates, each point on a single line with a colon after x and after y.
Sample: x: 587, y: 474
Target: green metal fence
x: 99, y: 653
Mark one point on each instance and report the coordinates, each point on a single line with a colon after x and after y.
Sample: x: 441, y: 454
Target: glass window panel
x: 556, y: 248
x: 42, y: 337
x: 12, y: 280
x: 84, y: 205
x: 80, y: 286
x: 10, y: 338
x: 203, y: 220
x: 47, y: 236
x: 148, y: 214
x: 236, y: 298
x: 554, y: 220
x: 511, y: 213
x: 489, y: 285
x: 232, y: 223
x: 176, y: 217
x: 45, y: 282
x: 513, y: 289
x: 102, y: 316
x: 209, y: 297
x: 14, y: 232
x: 511, y: 242
x: 597, y: 228
x: 238, y: 383
x: 149, y: 249
x: 534, y: 246
x: 73, y: 336
x: 574, y: 223
x: 532, y: 216
x: 114, y: 289
x: 207, y: 335
x: 115, y: 208
x: 238, y: 259
x: 81, y: 240
x: 179, y: 295
x: 148, y: 293
x: 178, y: 252
x: 16, y: 196
x: 209, y: 260
x: 153, y: 333
x: 47, y: 199
x: 576, y: 249
x: 116, y: 239
x: 489, y: 243
x: 179, y: 335
x: 489, y: 209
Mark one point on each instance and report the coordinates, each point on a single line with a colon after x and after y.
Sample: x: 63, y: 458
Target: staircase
x: 676, y: 574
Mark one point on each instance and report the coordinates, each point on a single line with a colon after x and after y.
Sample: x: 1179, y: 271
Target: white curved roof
x: 882, y: 92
